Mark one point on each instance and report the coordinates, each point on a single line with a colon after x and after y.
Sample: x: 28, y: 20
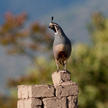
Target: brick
x: 41, y: 91
x: 72, y: 101
x: 33, y: 103
x: 55, y: 102
x: 29, y: 103
x: 67, y: 89
x: 23, y: 92
x: 20, y: 104
x: 60, y: 77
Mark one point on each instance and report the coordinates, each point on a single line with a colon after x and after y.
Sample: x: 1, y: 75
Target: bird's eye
x: 56, y: 26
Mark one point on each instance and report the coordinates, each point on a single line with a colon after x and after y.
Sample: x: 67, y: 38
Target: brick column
x: 62, y: 94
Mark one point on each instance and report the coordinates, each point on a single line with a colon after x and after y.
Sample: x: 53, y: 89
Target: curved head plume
x: 54, y: 26
x: 52, y: 19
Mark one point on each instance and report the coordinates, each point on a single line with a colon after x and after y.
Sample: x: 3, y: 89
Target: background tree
x: 18, y: 37
x: 90, y: 65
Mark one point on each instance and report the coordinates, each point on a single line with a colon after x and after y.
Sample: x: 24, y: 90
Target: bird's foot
x: 58, y: 70
x: 65, y: 70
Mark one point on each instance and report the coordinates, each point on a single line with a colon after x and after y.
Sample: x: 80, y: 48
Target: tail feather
x: 62, y: 63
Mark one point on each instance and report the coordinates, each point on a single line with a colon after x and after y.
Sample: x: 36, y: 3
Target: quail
x: 61, y: 45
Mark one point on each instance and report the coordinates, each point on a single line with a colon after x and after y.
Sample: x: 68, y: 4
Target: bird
x: 61, y: 45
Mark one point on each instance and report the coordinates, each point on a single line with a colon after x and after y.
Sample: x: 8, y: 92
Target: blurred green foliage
x: 21, y: 38
x: 88, y: 65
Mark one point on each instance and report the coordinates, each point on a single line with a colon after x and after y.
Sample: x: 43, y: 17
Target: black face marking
x: 52, y: 19
x: 52, y: 27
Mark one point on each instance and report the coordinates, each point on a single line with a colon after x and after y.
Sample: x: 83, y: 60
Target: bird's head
x: 55, y: 27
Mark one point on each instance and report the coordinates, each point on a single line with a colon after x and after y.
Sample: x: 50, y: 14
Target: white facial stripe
x: 56, y: 30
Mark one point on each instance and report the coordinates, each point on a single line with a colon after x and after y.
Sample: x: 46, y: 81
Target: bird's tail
x: 62, y: 63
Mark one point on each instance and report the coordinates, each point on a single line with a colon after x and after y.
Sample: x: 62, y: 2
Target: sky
x: 72, y: 15
x: 34, y: 8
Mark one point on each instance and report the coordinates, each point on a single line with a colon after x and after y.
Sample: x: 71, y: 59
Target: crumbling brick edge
x: 60, y: 95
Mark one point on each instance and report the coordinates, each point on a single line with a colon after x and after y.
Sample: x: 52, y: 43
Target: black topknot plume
x: 52, y: 19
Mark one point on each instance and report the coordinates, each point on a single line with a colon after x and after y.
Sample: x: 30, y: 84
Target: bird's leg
x: 65, y: 66
x: 57, y: 64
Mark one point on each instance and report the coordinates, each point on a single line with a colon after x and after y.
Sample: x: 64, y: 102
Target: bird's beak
x: 50, y: 26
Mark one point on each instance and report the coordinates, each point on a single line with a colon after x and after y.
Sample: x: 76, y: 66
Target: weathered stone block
x: 60, y: 77
x: 29, y: 103
x: 41, y: 91
x: 67, y: 89
x: 20, y: 104
x: 72, y: 102
x: 55, y: 102
x: 23, y: 91
x: 33, y: 103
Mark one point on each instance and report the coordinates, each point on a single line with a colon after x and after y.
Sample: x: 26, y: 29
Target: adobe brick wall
x: 62, y: 94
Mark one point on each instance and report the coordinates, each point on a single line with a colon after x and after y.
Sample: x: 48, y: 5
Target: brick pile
x: 62, y: 94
